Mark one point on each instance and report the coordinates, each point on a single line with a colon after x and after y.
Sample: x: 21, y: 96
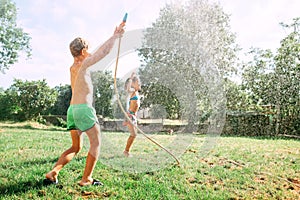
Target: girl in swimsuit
x: 129, y: 91
x: 134, y: 104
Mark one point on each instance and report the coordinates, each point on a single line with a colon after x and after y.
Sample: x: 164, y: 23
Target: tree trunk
x: 277, y: 125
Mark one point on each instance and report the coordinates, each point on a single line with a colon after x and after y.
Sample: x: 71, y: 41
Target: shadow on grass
x: 18, y: 187
x: 30, y: 163
x: 23, y: 187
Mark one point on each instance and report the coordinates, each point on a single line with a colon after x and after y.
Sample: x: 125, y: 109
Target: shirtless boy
x: 81, y: 115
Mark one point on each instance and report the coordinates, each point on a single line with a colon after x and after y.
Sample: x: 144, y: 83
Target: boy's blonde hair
x: 77, y: 45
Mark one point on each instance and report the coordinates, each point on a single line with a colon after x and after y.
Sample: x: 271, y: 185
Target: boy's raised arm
x: 102, y: 51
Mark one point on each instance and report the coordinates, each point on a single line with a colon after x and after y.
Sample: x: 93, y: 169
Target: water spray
x: 120, y: 103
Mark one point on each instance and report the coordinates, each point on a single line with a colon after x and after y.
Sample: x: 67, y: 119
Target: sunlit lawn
x: 237, y: 168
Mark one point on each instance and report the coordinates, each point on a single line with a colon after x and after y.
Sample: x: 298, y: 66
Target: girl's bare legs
x: 130, y: 139
x: 91, y: 160
x: 66, y: 156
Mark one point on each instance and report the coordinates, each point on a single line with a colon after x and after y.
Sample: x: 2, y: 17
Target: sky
x: 53, y: 24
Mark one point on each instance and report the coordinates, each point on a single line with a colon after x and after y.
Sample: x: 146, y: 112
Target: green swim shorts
x: 81, y: 117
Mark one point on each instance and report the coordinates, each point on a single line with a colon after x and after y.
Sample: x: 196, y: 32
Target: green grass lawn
x: 237, y: 168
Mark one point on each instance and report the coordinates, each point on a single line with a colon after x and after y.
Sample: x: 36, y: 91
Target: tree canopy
x: 187, y: 51
x: 27, y: 100
x: 12, y: 38
x: 272, y: 79
x: 103, y: 93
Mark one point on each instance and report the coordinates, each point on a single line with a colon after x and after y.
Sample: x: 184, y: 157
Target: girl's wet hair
x: 135, y: 78
x: 77, y: 45
x: 130, y: 81
x: 126, y: 83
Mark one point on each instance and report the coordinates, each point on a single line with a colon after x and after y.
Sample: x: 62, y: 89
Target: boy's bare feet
x: 90, y: 182
x: 51, y: 178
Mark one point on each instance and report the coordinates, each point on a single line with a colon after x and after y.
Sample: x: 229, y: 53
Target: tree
x: 273, y: 79
x: 237, y: 98
x: 6, y: 106
x: 259, y: 76
x: 12, y: 38
x: 188, y: 49
x: 287, y: 74
x: 30, y: 98
x: 156, y: 94
x: 63, y: 100
x: 103, y: 92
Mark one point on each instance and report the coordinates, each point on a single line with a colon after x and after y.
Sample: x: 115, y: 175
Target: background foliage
x: 267, y: 101
x: 12, y: 38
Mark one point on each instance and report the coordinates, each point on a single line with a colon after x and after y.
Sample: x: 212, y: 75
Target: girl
x: 129, y: 91
x: 134, y: 104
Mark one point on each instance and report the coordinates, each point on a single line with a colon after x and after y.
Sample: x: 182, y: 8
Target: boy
x: 81, y: 115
